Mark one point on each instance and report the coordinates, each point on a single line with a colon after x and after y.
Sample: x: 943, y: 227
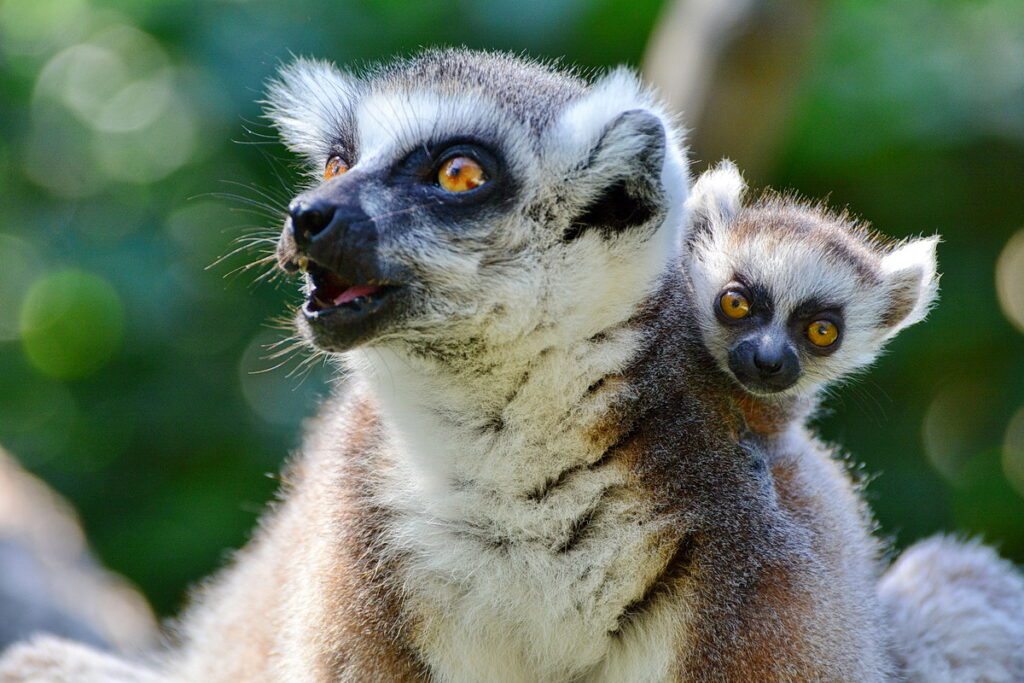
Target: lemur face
x: 770, y: 339
x: 791, y: 297
x: 455, y: 196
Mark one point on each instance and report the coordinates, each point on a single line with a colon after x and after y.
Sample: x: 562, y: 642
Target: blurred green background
x: 130, y: 372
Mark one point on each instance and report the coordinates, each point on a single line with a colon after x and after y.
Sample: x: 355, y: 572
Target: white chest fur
x: 509, y: 575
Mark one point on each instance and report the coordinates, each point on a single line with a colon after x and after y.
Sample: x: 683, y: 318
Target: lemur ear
x: 309, y: 103
x: 716, y: 198
x: 626, y: 165
x: 622, y: 141
x: 913, y: 283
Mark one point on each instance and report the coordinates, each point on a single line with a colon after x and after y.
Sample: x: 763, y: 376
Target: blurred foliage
x: 132, y: 377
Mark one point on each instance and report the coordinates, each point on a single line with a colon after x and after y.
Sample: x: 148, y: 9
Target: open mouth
x: 332, y: 292
x: 340, y: 313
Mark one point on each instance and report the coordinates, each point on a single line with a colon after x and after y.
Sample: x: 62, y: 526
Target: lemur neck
x: 507, y: 419
x: 770, y: 418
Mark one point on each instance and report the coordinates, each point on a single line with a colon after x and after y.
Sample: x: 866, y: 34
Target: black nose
x: 765, y: 363
x: 769, y: 357
x: 309, y: 218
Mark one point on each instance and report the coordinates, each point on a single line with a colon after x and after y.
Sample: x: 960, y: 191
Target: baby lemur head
x: 790, y: 296
x: 462, y: 199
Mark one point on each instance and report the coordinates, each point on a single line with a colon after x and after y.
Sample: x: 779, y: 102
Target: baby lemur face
x: 792, y: 297
x: 465, y: 198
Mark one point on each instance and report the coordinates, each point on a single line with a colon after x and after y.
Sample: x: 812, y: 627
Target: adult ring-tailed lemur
x: 539, y: 470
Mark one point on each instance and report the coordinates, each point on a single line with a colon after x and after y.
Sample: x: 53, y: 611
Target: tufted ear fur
x: 716, y: 198
x: 628, y: 165
x: 624, y: 174
x: 912, y: 281
x: 309, y: 103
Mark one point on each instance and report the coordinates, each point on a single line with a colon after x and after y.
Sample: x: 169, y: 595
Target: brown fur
x: 839, y: 235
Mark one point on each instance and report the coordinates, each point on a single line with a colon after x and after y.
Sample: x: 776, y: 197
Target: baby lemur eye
x: 823, y: 333
x: 335, y: 166
x: 734, y: 305
x: 460, y: 174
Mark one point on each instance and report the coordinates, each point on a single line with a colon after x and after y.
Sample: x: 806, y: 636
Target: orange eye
x: 335, y: 166
x: 822, y: 333
x: 734, y: 305
x: 460, y: 173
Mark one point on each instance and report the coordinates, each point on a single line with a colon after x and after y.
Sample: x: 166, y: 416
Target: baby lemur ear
x: 309, y: 102
x: 912, y: 282
x: 716, y: 198
x: 622, y: 141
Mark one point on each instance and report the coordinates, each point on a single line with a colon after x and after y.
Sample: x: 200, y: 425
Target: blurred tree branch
x: 49, y: 580
x: 731, y: 68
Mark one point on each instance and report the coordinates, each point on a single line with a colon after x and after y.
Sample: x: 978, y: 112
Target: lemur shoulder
x: 537, y: 472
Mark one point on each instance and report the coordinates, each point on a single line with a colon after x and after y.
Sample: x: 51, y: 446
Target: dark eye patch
x: 762, y: 305
x: 816, y: 308
x: 810, y: 311
x: 344, y: 146
x: 412, y: 181
x: 423, y: 161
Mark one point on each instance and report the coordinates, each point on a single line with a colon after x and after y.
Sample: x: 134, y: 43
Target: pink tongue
x: 353, y: 293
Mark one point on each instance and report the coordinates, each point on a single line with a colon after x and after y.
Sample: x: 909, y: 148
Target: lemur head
x: 466, y: 198
x: 790, y: 296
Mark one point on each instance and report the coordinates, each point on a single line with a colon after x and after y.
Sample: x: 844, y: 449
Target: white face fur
x: 519, y: 257
x: 795, y: 266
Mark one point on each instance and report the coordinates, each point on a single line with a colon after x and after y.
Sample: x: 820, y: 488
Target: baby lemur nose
x: 309, y: 218
x: 768, y: 359
x: 765, y: 363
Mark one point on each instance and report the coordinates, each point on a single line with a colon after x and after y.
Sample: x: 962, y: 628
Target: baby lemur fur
x: 790, y: 298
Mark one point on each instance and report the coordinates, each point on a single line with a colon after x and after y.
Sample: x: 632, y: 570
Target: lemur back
x: 535, y: 473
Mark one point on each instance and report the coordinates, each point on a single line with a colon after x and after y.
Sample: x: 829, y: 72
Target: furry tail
x: 956, y: 610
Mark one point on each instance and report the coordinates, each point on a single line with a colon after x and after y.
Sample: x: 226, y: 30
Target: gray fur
x: 957, y: 613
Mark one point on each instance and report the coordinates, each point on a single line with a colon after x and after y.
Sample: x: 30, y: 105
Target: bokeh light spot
x: 83, y: 78
x: 150, y: 153
x: 954, y: 426
x: 131, y: 123
x: 136, y: 105
x: 277, y: 388
x: 71, y: 324
x: 19, y: 262
x: 1013, y: 451
x: 1010, y: 279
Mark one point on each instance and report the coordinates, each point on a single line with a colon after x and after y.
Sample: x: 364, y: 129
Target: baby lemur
x: 792, y: 299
